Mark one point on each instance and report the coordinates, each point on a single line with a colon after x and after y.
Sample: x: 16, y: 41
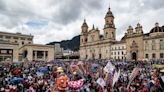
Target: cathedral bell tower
x: 84, y: 33
x: 109, y: 27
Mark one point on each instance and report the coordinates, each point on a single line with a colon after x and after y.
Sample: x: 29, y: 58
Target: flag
x: 81, y: 66
x: 109, y: 68
x: 116, y: 77
x: 75, y: 68
x: 101, y: 82
x: 133, y: 75
x: 162, y: 77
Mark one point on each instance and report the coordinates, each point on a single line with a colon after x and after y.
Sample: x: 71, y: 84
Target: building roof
x: 109, y: 14
x: 157, y: 28
x: 15, y: 34
x: 119, y: 42
x: 84, y: 24
x: 123, y: 38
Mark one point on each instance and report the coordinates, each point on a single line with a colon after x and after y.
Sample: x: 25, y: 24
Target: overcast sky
x: 56, y: 20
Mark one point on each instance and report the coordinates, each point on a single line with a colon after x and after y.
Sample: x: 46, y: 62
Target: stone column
x: 35, y: 55
x: 44, y: 55
x: 30, y: 54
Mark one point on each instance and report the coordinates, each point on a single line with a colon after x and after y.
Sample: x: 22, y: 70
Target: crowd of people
x: 82, y: 76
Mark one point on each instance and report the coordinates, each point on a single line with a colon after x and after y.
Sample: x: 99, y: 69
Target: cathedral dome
x: 157, y: 28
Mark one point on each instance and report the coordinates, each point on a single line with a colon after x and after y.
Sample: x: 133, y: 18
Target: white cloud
x: 64, y: 17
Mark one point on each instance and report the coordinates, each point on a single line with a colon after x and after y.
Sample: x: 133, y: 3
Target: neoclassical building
x: 134, y: 45
x: 19, y: 47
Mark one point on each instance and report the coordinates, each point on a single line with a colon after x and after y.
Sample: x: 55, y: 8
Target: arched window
x: 82, y: 40
x: 107, y: 21
x: 122, y: 53
x: 86, y: 56
x: 106, y: 34
x: 112, y: 35
x: 161, y: 55
x: 22, y: 43
x: 153, y: 47
x: 146, y: 55
x: 86, y: 40
x: 161, y: 47
x: 153, y: 55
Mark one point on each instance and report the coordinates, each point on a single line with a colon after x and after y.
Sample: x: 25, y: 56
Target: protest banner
x: 101, y: 82
x: 109, y: 68
x: 116, y: 77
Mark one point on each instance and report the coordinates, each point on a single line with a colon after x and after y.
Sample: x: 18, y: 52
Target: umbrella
x: 16, y: 80
x: 57, y: 62
x: 60, y: 71
x: 158, y: 65
x: 38, y: 74
x: 162, y: 71
x: 43, y: 69
x: 95, y: 65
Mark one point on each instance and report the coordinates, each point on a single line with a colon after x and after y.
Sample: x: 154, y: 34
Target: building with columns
x: 134, y: 45
x: 37, y: 52
x: 19, y: 47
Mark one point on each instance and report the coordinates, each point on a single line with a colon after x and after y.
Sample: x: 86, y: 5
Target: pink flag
x: 133, y: 75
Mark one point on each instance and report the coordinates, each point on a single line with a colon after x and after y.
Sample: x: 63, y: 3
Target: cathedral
x: 134, y: 45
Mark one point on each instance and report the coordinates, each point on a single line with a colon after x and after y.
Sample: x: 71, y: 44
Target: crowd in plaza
x: 82, y: 76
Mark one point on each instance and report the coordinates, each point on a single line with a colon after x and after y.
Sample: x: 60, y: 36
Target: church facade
x: 134, y: 45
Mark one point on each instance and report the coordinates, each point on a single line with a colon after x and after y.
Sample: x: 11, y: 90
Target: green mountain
x: 72, y: 44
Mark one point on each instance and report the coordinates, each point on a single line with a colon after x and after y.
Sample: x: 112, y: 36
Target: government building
x: 20, y: 47
x: 134, y: 45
